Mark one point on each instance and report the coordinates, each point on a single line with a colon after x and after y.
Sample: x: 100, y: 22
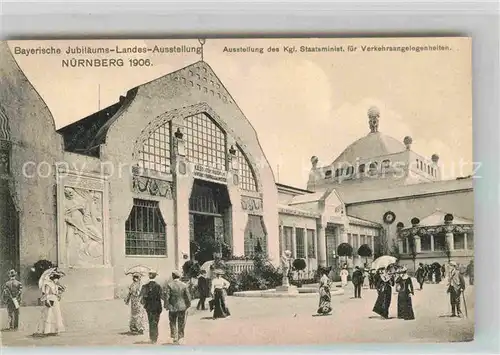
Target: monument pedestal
x: 287, y: 289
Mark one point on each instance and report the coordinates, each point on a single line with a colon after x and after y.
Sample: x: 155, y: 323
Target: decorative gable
x: 200, y: 77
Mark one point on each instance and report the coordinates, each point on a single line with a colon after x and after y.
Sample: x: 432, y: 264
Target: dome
x: 373, y: 145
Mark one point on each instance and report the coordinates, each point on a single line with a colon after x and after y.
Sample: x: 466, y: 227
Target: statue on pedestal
x: 286, y: 266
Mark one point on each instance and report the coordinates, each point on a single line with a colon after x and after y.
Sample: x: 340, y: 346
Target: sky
x: 302, y: 103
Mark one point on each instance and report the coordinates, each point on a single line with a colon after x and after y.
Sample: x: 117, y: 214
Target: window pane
x: 145, y: 230
x: 299, y: 237
x: 247, y: 177
x: 205, y: 141
x: 155, y: 152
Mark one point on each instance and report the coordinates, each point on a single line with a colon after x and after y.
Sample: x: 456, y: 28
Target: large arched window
x: 155, y: 152
x: 205, y: 141
x: 247, y: 177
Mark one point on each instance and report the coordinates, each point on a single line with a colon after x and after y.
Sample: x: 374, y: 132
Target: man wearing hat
x: 177, y: 300
x: 456, y: 285
x: 151, y: 295
x: 12, y: 297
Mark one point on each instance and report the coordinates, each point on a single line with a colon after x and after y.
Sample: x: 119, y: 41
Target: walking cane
x: 465, y: 305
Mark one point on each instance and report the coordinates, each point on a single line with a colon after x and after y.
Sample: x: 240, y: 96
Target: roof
x: 312, y: 197
x: 363, y: 222
x: 286, y: 209
x: 289, y: 188
x: 374, y: 144
x: 85, y: 136
x: 437, y: 219
x: 354, y: 194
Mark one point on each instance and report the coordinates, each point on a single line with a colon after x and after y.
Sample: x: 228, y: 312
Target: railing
x: 238, y: 266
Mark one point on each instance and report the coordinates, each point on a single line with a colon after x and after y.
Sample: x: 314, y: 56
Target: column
x: 306, y: 246
x: 281, y: 239
x: 320, y: 232
x: 432, y: 242
x: 400, y: 245
x: 418, y: 244
x: 450, y: 239
x: 465, y: 242
x: 294, y: 243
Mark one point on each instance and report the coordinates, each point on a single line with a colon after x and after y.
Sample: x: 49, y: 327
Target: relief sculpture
x: 153, y: 187
x: 84, y: 226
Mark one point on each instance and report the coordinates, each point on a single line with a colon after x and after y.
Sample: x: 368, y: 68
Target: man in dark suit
x: 12, y: 297
x: 203, y: 289
x: 177, y: 300
x: 357, y: 281
x: 151, y: 295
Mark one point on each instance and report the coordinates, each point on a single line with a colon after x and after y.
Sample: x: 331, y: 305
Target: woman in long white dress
x: 51, y: 322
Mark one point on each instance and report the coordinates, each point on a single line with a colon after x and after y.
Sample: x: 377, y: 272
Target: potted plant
x: 345, y: 250
x: 365, y: 251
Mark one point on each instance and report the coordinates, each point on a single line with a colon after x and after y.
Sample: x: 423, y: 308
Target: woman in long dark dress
x: 384, y: 289
x: 325, y: 297
x: 404, y: 286
x: 219, y: 287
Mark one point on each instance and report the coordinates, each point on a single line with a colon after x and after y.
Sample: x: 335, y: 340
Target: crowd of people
x: 148, y: 300
x: 393, y: 276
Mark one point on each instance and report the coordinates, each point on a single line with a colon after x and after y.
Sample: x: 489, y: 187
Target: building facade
x: 174, y: 165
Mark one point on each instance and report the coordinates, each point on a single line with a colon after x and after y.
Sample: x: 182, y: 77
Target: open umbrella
x: 207, y: 266
x: 383, y: 262
x: 138, y: 269
x: 46, y: 276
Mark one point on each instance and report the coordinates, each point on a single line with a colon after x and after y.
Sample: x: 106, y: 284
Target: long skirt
x: 405, y: 307
x: 137, y: 315
x: 343, y: 280
x: 51, y: 320
x: 219, y: 303
x: 325, y: 301
x: 383, y: 302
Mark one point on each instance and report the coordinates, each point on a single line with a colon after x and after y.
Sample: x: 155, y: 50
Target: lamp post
x: 334, y: 262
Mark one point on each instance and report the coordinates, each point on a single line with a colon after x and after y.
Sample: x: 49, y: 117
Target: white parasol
x: 46, y: 276
x: 138, y: 269
x: 207, y: 266
x: 383, y: 262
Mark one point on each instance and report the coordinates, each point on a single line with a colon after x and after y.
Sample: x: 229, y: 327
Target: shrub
x: 191, y: 269
x: 263, y: 276
x: 344, y: 249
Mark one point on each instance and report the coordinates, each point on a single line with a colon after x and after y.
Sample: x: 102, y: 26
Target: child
x: 203, y: 289
x: 12, y: 297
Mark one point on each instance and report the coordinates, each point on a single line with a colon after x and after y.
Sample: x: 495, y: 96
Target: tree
x: 365, y: 251
x: 345, y: 250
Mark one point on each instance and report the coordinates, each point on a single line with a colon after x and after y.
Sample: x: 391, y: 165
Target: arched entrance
x: 209, y: 221
x: 9, y: 233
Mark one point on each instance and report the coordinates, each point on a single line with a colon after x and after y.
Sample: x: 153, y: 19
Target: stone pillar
x: 321, y: 245
x: 450, y: 239
x: 400, y: 245
x: 465, y: 242
x: 306, y: 246
x: 432, y: 242
x: 418, y: 244
x: 294, y: 243
x: 282, y: 239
